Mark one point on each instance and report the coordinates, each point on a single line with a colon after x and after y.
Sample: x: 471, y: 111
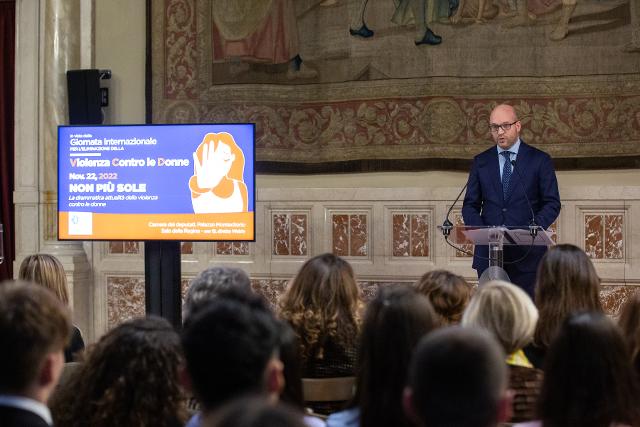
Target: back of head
x: 227, y: 346
x: 567, y: 283
x: 457, y: 378
x: 504, y: 310
x: 129, y: 377
x: 322, y: 301
x: 213, y: 282
x: 395, y: 320
x: 33, y: 323
x: 255, y: 412
x: 448, y: 293
x: 588, y: 376
x: 45, y: 270
x: 630, y: 325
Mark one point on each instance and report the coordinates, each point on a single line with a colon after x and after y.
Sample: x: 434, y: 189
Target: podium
x: 496, y: 237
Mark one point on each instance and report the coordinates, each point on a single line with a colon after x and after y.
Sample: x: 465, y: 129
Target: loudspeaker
x: 83, y: 90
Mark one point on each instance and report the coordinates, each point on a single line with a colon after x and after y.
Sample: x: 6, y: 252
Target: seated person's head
x: 323, y: 300
x: 34, y: 328
x: 213, y: 282
x: 255, y: 412
x: 129, y: 377
x: 395, y: 320
x: 566, y: 283
x: 589, y: 379
x: 504, y: 310
x: 45, y: 270
x: 448, y: 293
x: 458, y: 377
x: 231, y: 350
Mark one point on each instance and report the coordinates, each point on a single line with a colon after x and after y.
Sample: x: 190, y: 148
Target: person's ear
x: 274, y: 378
x: 505, y: 406
x: 518, y: 126
x: 51, y: 369
x: 407, y: 405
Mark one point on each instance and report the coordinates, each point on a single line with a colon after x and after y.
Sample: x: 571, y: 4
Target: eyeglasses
x: 505, y: 127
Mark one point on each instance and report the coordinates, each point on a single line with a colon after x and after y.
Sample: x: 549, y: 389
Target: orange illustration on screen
x: 217, y: 184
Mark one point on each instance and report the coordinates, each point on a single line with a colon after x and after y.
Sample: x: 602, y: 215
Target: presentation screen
x: 157, y: 182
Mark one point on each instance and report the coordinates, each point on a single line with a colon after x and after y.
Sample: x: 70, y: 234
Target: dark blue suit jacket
x: 484, y: 203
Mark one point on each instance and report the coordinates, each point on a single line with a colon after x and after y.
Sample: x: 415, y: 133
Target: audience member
x: 231, y: 349
x: 567, y: 283
x: 129, y: 378
x: 394, y: 322
x: 588, y: 377
x: 448, y: 293
x: 630, y: 324
x: 255, y: 412
x: 458, y: 377
x: 47, y: 270
x: 323, y: 306
x: 212, y: 282
x: 34, y: 329
x: 508, y: 313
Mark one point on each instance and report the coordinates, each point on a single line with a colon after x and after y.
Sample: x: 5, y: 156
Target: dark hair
x: 449, y: 294
x: 322, y: 304
x: 255, y: 412
x: 129, y: 377
x: 457, y: 377
x: 33, y: 324
x: 567, y: 283
x: 292, y: 372
x: 227, y: 345
x: 394, y: 322
x: 630, y: 324
x: 213, y: 282
x: 588, y: 378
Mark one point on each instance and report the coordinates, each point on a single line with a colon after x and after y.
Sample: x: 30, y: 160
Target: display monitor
x: 157, y: 182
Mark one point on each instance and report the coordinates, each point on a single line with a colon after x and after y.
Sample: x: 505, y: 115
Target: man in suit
x: 34, y: 329
x: 496, y: 188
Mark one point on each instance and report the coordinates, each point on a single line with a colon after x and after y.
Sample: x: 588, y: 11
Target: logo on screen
x: 80, y: 223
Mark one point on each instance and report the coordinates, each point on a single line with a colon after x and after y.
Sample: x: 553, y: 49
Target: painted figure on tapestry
x: 406, y: 12
x: 262, y: 31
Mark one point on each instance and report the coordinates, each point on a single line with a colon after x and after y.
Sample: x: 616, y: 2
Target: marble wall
x: 389, y: 235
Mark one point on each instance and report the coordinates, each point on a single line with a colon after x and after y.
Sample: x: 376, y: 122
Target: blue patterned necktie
x: 506, y: 173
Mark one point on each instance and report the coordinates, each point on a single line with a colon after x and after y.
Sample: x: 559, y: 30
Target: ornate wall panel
x: 398, y: 228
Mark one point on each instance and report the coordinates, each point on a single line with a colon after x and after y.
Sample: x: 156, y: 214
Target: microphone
x: 447, y: 225
x: 533, y: 227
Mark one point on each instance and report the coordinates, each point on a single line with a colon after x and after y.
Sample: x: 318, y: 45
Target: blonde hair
x: 323, y: 301
x: 504, y: 310
x: 45, y: 270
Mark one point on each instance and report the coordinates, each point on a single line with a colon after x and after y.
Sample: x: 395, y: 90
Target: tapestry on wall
x: 342, y: 85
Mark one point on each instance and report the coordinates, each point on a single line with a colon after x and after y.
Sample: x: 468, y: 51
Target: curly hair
x: 128, y: 378
x: 322, y: 303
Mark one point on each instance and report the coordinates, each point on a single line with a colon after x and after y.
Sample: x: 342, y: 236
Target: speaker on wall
x: 85, y: 96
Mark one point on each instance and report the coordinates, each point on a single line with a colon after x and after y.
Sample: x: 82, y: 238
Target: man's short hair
x: 213, y: 282
x: 228, y: 345
x: 458, y: 377
x: 33, y: 324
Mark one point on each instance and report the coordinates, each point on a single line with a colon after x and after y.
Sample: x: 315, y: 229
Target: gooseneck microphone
x: 447, y: 225
x: 533, y: 227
